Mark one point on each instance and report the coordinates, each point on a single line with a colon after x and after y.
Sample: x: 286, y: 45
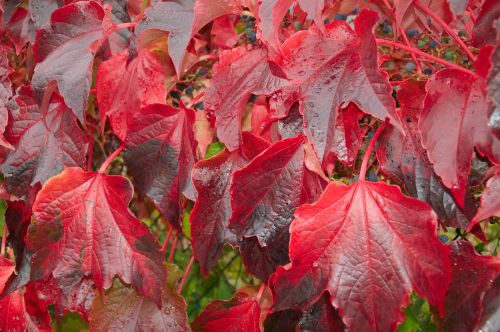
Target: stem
x: 469, y: 31
x: 426, y: 55
x: 172, y: 250
x: 91, y: 149
x: 259, y: 294
x: 117, y: 27
x: 368, y: 152
x: 446, y: 27
x: 405, y: 37
x: 47, y: 96
x: 185, y: 275
x: 108, y: 161
x: 93, y: 91
x: 195, y: 99
x: 4, y: 239
x: 395, y: 82
x: 165, y: 244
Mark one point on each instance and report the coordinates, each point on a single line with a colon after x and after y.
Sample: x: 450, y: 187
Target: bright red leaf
x: 239, y: 73
x: 160, y: 154
x: 124, y: 86
x: 490, y: 203
x: 369, y: 246
x: 484, y: 31
x: 82, y: 227
x: 64, y: 51
x: 44, y: 143
x: 329, y: 70
x: 450, y: 137
x: 211, y: 212
x: 472, y: 276
x: 241, y: 313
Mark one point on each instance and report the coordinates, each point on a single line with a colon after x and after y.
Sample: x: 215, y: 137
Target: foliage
x: 249, y: 165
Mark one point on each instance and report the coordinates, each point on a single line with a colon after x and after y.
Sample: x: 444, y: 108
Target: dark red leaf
x: 64, y: 51
x: 329, y: 70
x: 82, y: 226
x: 490, y: 204
x: 450, y: 137
x: 408, y: 15
x: 239, y: 73
x: 369, y: 246
x: 404, y: 157
x: 484, y: 31
x: 211, y: 212
x: 160, y: 154
x: 124, y: 86
x: 472, y: 276
x: 44, y: 143
x: 122, y: 309
x: 241, y: 313
x: 264, y: 195
x: 5, y: 94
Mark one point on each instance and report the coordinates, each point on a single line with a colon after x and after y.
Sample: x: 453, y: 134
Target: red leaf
x: 319, y: 317
x: 239, y: 73
x: 490, y: 204
x: 272, y: 12
x: 211, y: 212
x: 450, y: 137
x: 241, y: 313
x: 327, y: 71
x: 472, y: 276
x: 20, y: 28
x: 266, y: 192
x: 369, y: 246
x: 484, y: 31
x: 122, y: 310
x: 124, y: 86
x: 44, y: 143
x: 408, y: 15
x: 5, y: 94
x: 494, y: 85
x: 404, y: 157
x: 20, y: 310
x: 64, y: 51
x: 182, y: 19
x: 160, y: 154
x: 82, y: 226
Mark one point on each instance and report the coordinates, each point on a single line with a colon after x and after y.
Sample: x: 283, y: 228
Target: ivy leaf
x: 490, y: 204
x: 241, y: 313
x: 122, y: 309
x: 21, y: 310
x: 266, y: 192
x: 239, y: 73
x: 124, y: 86
x: 368, y: 245
x: 160, y: 153
x: 44, y: 143
x: 326, y: 71
x: 404, y: 158
x: 472, y: 276
x: 320, y: 316
x: 82, y: 227
x: 272, y: 12
x: 484, y: 31
x: 5, y: 94
x: 211, y: 212
x: 183, y: 19
x: 466, y: 127
x: 64, y: 52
